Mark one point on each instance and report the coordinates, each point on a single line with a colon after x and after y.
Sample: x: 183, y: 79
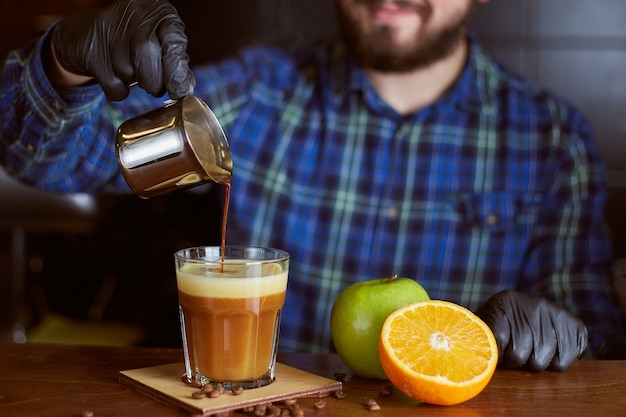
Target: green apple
x: 357, y: 319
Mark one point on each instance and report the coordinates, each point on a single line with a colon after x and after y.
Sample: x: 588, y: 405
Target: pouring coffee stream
x: 174, y: 147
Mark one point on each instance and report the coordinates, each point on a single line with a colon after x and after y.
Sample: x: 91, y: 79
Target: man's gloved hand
x: 129, y: 41
x: 533, y: 332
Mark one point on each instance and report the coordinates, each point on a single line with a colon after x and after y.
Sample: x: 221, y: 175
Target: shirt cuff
x: 52, y: 104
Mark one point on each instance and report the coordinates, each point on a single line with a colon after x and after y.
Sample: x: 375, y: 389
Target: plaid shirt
x: 497, y: 185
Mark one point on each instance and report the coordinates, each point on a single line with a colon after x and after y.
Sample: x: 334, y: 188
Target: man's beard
x: 377, y: 50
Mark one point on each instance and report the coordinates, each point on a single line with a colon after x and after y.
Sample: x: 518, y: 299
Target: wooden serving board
x: 164, y: 383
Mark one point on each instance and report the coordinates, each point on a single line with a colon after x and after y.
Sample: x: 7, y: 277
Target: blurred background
x: 99, y: 269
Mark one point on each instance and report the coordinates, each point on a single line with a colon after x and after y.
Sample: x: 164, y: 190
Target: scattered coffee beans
x: 284, y: 408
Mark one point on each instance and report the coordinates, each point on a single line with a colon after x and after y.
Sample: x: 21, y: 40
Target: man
x: 402, y: 150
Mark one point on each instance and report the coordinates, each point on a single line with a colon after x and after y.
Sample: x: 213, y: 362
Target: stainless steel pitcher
x: 174, y: 147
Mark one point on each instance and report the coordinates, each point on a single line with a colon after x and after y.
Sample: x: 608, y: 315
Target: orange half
x: 437, y: 352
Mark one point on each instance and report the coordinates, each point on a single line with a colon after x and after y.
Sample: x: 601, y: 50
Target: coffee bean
x: 273, y: 410
x: 237, y: 390
x: 196, y: 383
x: 320, y: 404
x: 296, y: 411
x: 339, y: 394
x: 340, y: 376
x: 207, y: 388
x: 368, y: 401
x: 260, y: 410
x: 371, y: 404
x: 214, y: 393
x: 196, y: 395
x: 374, y: 407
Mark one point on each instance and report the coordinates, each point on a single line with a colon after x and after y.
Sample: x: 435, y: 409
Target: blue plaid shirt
x: 497, y: 185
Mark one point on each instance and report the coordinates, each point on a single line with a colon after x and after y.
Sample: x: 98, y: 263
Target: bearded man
x: 399, y: 147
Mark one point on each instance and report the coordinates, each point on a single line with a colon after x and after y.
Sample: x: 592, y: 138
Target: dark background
x: 108, y: 259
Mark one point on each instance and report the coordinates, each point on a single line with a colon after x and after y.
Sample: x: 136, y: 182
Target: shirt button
x: 30, y: 148
x: 56, y: 104
x: 392, y: 212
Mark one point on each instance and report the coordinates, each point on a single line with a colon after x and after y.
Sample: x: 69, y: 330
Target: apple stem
x: 391, y: 278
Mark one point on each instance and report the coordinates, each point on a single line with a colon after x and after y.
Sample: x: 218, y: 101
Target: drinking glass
x: 230, y: 305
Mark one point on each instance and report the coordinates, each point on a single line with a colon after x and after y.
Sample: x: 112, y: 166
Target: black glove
x: 129, y: 41
x: 533, y: 332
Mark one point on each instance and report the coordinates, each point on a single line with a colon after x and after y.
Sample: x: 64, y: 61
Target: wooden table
x: 59, y: 380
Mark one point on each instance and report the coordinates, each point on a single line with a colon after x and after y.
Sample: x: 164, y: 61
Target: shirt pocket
x: 497, y: 211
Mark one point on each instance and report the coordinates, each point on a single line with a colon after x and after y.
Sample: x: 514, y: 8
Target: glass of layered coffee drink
x: 230, y: 302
